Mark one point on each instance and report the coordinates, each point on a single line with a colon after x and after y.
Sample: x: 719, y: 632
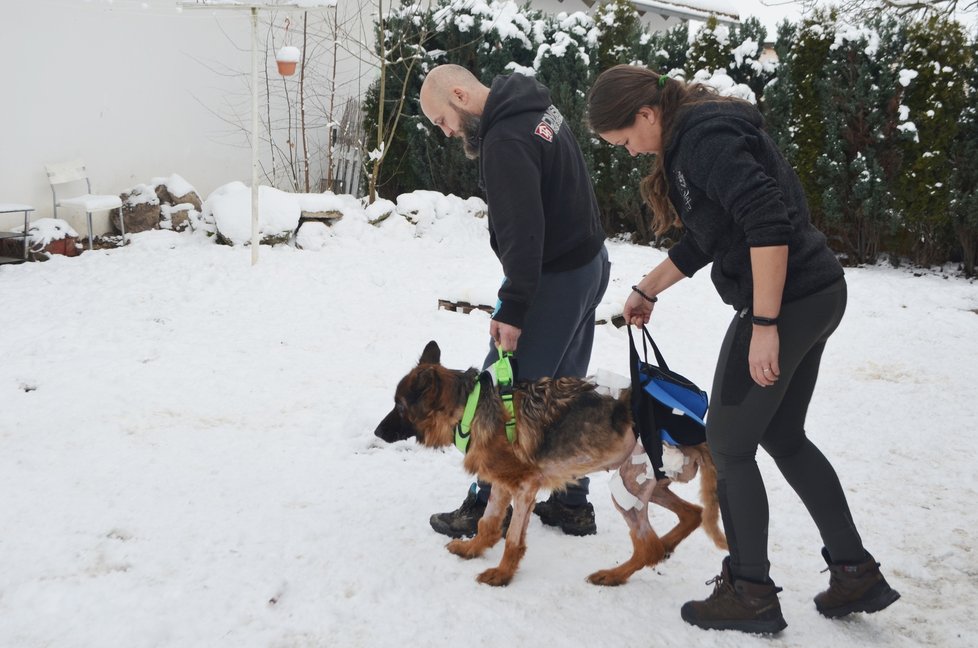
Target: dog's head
x: 427, y: 402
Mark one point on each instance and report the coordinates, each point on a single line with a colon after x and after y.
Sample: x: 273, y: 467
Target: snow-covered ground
x: 187, y: 454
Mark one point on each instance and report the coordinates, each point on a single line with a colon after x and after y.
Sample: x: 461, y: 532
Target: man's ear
x: 460, y: 96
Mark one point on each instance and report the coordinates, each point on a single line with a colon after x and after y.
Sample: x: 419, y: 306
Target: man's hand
x: 505, y: 335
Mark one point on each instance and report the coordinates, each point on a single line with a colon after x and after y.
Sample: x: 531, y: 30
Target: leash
x: 501, y: 372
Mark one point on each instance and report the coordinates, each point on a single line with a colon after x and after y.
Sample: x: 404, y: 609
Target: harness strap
x: 463, y: 431
x: 503, y: 372
x: 504, y: 378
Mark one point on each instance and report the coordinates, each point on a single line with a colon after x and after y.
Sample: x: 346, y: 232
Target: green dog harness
x: 502, y: 371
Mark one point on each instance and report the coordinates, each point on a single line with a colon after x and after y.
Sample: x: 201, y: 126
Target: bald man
x: 545, y: 229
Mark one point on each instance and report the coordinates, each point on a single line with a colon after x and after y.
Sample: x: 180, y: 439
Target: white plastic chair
x: 73, y: 172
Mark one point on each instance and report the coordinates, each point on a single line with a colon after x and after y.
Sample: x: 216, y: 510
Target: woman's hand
x: 638, y: 310
x: 765, y: 344
x: 638, y: 307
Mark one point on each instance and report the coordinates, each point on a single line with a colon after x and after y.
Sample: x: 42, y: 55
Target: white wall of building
x: 135, y: 88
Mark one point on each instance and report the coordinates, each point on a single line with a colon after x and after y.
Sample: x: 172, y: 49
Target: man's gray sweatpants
x: 557, y: 336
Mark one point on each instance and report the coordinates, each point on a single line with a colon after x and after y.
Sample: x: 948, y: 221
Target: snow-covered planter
x: 287, y: 58
x: 49, y: 236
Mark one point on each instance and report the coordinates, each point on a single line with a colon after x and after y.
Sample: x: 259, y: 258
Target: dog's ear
x: 424, y: 387
x: 431, y: 354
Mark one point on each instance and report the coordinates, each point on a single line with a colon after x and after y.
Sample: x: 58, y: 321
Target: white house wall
x: 137, y: 92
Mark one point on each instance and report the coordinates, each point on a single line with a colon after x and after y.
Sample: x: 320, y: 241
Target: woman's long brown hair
x: 613, y: 103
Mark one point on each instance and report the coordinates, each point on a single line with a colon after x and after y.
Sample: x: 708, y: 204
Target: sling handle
x: 646, y: 341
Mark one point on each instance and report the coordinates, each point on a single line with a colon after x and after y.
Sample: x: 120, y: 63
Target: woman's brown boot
x: 854, y: 587
x: 737, y: 605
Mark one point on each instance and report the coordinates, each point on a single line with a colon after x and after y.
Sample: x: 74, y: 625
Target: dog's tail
x: 709, y: 497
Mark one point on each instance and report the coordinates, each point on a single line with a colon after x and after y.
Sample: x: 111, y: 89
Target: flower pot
x: 286, y: 68
x: 287, y: 58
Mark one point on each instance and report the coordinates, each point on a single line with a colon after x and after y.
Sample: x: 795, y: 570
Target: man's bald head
x: 453, y: 100
x: 443, y: 78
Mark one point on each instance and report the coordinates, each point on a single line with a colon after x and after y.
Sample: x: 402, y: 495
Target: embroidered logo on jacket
x: 684, y: 190
x: 550, y: 123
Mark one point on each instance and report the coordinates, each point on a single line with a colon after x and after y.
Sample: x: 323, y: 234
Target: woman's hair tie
x: 662, y: 80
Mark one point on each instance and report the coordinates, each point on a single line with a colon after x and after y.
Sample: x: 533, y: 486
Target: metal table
x: 13, y: 208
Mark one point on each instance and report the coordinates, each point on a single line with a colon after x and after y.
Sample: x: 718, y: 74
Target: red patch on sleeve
x: 545, y: 132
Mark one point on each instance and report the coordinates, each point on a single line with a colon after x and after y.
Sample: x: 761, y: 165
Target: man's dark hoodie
x: 543, y: 216
x: 733, y: 191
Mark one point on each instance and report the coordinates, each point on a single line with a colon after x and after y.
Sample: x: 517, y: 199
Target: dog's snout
x: 395, y: 426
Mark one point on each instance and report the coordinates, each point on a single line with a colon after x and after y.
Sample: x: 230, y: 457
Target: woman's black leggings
x: 744, y: 415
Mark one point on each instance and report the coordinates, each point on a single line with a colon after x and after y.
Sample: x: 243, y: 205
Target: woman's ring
x: 766, y: 370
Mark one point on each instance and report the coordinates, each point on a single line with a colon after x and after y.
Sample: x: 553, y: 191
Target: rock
x: 327, y: 217
x: 140, y: 208
x: 177, y: 217
x: 190, y: 197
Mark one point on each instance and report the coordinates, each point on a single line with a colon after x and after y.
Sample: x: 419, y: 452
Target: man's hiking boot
x: 464, y: 521
x: 854, y: 587
x: 572, y: 520
x: 737, y: 605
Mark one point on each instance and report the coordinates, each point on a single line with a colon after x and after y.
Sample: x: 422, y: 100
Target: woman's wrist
x: 649, y: 298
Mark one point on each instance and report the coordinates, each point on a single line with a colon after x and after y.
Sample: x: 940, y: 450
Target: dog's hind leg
x: 523, y: 501
x: 647, y: 548
x: 490, y: 526
x: 689, y: 514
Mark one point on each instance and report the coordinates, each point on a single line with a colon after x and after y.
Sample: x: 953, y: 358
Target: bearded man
x: 545, y: 229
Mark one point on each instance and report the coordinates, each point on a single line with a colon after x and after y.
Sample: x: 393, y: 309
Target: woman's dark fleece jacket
x: 543, y: 216
x: 733, y: 191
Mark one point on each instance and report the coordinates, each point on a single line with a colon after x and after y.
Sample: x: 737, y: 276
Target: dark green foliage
x: 964, y: 161
x: 779, y: 93
x: 805, y: 121
x: 888, y: 167
x: 858, y: 93
x: 615, y: 174
x: 936, y: 49
x: 710, y: 50
x: 745, y: 65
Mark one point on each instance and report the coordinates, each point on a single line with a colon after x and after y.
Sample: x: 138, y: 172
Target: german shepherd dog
x: 564, y: 429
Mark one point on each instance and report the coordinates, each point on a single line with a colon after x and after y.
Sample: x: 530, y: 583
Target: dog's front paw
x: 496, y: 577
x: 607, y: 577
x: 463, y: 549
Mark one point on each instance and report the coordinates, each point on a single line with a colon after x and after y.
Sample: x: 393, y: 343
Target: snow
x: 142, y: 194
x: 175, y: 184
x: 43, y: 231
x: 288, y: 54
x: 229, y: 206
x: 187, y: 454
x: 906, y: 76
x: 92, y: 202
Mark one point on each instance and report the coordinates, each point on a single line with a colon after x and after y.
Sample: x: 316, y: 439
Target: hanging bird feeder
x: 287, y: 56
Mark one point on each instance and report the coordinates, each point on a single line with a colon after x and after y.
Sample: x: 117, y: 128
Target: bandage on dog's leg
x: 620, y: 494
x: 647, y: 549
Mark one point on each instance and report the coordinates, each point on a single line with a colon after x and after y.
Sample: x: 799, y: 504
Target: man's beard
x: 469, y: 133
